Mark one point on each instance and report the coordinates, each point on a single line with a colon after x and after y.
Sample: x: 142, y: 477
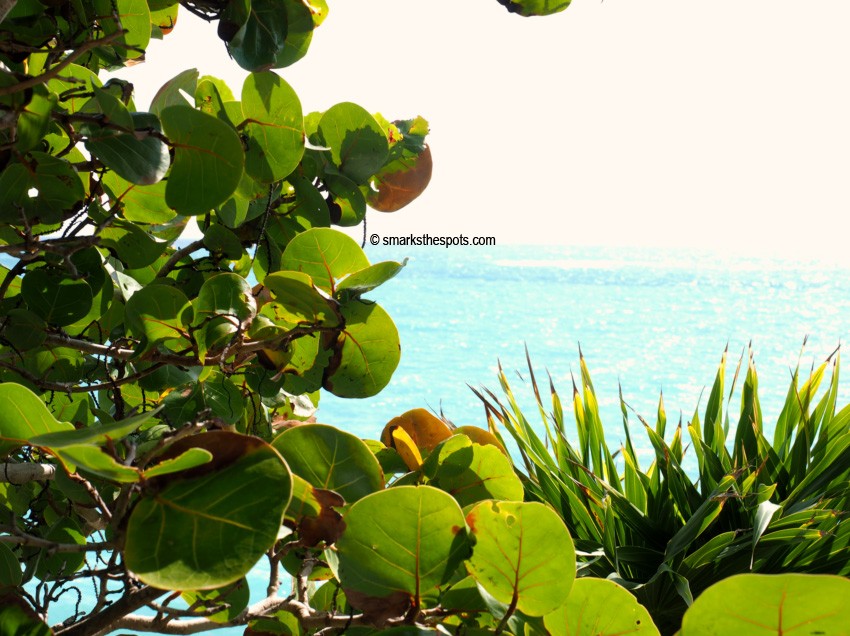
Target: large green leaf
x: 276, y: 33
x: 207, y: 528
x: 208, y: 160
x: 404, y: 540
x: 325, y: 255
x: 55, y: 297
x: 367, y: 352
x: 223, y: 305
x: 275, y: 127
x: 24, y: 417
x: 131, y: 244
x: 133, y: 16
x: 41, y: 192
x: 139, y: 204
x: 599, y: 607
x: 331, y: 459
x: 296, y: 301
x: 141, y: 159
x: 771, y: 604
x: 471, y: 472
x: 358, y: 145
x: 158, y: 313
x: 171, y: 93
x: 73, y: 87
x: 523, y: 555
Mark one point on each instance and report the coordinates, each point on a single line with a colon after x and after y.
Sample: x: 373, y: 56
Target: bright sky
x: 720, y: 124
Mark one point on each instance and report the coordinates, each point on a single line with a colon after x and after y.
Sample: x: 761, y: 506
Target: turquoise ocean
x: 648, y: 319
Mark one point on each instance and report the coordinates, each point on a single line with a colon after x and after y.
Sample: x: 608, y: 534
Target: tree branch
x: 19, y: 538
x: 19, y: 474
x: 107, y: 619
x: 175, y: 258
x: 56, y: 70
x: 6, y: 7
x: 305, y: 614
x: 73, y: 387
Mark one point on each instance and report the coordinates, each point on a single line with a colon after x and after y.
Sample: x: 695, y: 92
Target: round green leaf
x: 471, y: 472
x: 89, y: 264
x: 24, y: 328
x: 142, y: 160
x: 225, y: 293
x: 275, y: 128
x: 331, y: 459
x: 770, y: 604
x: 131, y: 244
x: 157, y: 313
x: 171, y: 93
x: 530, y: 8
x: 224, y: 302
x: 325, y: 255
x: 208, y: 160
x: 260, y: 38
x: 135, y: 19
x: 73, y: 87
x: 406, y: 540
x: 299, y: 31
x: 55, y: 297
x: 297, y: 302
x: 40, y: 192
x: 139, y: 204
x: 10, y: 567
x: 207, y: 529
x: 523, y: 555
x: 219, y: 240
x: 599, y: 607
x: 367, y: 352
x: 358, y: 145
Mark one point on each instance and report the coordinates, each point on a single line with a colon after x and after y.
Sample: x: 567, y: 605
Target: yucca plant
x: 752, y: 505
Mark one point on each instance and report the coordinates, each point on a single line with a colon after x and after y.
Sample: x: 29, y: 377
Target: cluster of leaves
x: 126, y: 355
x: 423, y: 532
x: 103, y: 313
x: 755, y: 505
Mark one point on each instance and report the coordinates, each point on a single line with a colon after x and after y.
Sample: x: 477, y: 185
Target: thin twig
x: 175, y: 258
x: 56, y: 70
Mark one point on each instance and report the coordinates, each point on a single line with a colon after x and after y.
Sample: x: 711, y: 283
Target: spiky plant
x: 667, y: 534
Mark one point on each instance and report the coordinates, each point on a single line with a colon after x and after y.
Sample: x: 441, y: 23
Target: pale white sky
x: 721, y: 124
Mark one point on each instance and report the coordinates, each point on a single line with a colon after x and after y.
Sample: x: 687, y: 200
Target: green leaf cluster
x: 668, y: 532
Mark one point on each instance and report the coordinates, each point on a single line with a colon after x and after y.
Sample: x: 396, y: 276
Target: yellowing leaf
x: 406, y: 448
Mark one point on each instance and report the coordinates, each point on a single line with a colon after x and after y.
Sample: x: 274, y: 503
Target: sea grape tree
x: 144, y: 373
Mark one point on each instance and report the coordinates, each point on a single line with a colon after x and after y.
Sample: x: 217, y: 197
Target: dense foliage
x: 739, y: 503
x: 153, y: 447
